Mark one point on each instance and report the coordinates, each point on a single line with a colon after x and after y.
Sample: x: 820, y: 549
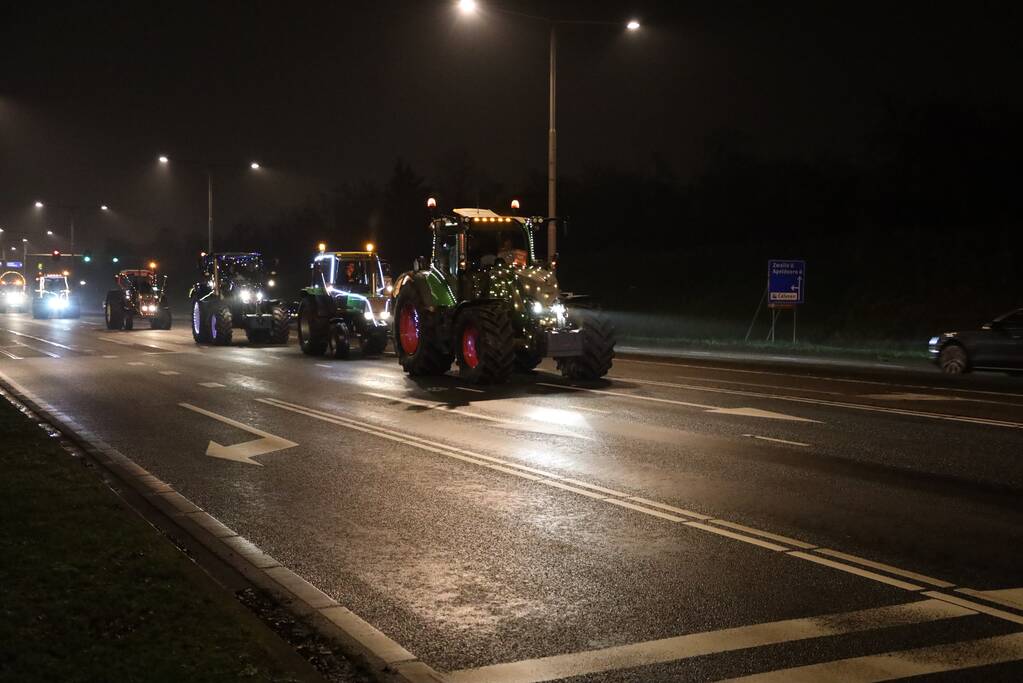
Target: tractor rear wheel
x: 485, y: 343
x: 161, y: 321
x: 312, y: 329
x: 113, y: 312
x: 200, y: 332
x: 598, y: 341
x: 280, y: 325
x: 221, y: 325
x: 417, y: 336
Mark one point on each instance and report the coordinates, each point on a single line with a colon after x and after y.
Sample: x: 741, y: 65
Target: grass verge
x: 91, y: 592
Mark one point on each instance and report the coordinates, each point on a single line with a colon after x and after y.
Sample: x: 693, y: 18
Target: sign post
x: 786, y: 288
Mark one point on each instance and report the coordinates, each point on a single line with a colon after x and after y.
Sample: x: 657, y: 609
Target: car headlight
x: 245, y: 295
x: 57, y: 302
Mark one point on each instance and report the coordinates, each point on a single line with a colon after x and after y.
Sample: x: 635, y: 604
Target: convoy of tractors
x: 483, y: 302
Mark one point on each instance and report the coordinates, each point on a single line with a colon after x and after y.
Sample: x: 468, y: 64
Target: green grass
x: 90, y: 592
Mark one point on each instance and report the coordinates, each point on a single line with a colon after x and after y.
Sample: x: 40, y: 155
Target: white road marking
x: 324, y: 365
x: 773, y: 440
x: 44, y: 341
x: 747, y: 412
x: 802, y: 399
x: 10, y: 355
x: 738, y: 537
x: 38, y: 350
x: 115, y: 341
x: 970, y: 604
x: 242, y: 452
x: 842, y: 566
x: 475, y: 391
x: 706, y: 643
x: 211, y: 385
x: 923, y: 578
x: 136, y: 362
x: 911, y: 397
x: 169, y: 372
x: 1010, y: 597
x: 902, y: 664
x: 766, y: 534
x: 108, y: 356
x: 846, y: 380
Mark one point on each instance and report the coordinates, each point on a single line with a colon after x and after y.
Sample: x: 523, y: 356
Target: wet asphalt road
x: 683, y: 520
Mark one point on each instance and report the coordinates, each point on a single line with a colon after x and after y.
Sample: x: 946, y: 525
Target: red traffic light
x: 56, y: 254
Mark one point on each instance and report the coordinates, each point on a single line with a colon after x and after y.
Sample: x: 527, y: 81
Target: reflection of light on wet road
x: 557, y: 416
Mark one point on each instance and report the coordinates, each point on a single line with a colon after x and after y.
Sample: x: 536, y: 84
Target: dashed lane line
x: 169, y: 372
x: 709, y: 642
x: 792, y: 399
x: 211, y: 385
x: 50, y: 342
x: 774, y: 440
x: 887, y: 666
x: 38, y: 350
x: 10, y: 355
x: 745, y: 534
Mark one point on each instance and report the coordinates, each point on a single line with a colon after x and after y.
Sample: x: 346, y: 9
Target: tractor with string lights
x: 140, y: 293
x: 54, y: 298
x: 485, y: 302
x: 234, y: 292
x: 347, y: 305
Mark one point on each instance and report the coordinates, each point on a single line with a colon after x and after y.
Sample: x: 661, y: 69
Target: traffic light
x: 115, y: 260
x: 87, y: 256
x: 56, y: 254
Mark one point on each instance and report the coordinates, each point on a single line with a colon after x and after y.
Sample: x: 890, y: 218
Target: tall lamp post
x: 469, y: 7
x: 208, y: 169
x: 72, y: 209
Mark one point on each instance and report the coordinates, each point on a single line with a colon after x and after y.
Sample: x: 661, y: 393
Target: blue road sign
x: 12, y: 264
x: 786, y: 282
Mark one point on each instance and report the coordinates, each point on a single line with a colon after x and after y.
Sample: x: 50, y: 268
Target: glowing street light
x: 633, y: 25
x: 467, y: 6
x: 163, y: 159
x: 50, y: 233
x: 39, y: 205
x: 104, y: 207
x: 254, y: 166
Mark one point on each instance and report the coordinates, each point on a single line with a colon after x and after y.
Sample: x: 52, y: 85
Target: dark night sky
x: 92, y: 91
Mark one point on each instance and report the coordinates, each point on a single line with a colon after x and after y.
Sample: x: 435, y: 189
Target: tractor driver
x: 350, y: 279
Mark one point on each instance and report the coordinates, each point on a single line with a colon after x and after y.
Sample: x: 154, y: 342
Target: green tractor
x: 348, y: 304
x: 485, y: 302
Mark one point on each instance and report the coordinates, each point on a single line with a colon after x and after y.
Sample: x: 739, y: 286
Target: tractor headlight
x: 558, y: 309
x: 385, y: 315
x: 537, y: 308
x: 57, y: 303
x: 259, y: 295
x: 368, y: 315
x: 245, y: 295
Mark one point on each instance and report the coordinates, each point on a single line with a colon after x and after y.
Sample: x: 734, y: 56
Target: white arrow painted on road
x: 242, y: 452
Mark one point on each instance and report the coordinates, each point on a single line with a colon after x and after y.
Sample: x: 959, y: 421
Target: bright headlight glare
x: 245, y: 296
x: 537, y: 307
x: 270, y: 283
x: 384, y: 315
x: 368, y: 315
x: 259, y: 295
x: 558, y: 309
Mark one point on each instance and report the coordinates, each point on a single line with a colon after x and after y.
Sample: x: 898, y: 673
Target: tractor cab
x: 359, y: 272
x: 53, y: 297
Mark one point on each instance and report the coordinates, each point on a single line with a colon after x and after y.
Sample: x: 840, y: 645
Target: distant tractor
x: 485, y: 302
x: 346, y: 306
x: 13, y: 296
x: 139, y: 294
x: 53, y: 297
x: 234, y: 292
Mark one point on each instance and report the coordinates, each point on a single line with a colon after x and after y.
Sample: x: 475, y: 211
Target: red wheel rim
x: 408, y: 329
x: 470, y: 340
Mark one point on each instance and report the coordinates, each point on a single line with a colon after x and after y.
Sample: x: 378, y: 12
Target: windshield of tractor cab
x: 354, y: 275
x: 55, y: 285
x: 242, y: 270
x: 142, y: 284
x: 489, y: 247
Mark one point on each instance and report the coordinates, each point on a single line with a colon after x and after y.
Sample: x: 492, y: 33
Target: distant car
x: 997, y: 345
x: 13, y: 295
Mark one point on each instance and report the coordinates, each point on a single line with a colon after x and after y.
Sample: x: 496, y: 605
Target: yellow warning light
x: 369, y: 246
x: 152, y: 265
x: 66, y: 273
x: 515, y: 205
x: 322, y: 246
x: 431, y: 203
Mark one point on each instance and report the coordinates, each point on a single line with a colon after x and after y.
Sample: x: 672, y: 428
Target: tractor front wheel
x: 598, y: 342
x: 280, y: 325
x: 161, y: 321
x: 485, y: 344
x: 339, y: 342
x: 417, y: 337
x: 200, y: 332
x: 221, y: 326
x: 113, y: 312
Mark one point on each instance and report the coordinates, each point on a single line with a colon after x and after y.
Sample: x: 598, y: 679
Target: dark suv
x: 998, y: 345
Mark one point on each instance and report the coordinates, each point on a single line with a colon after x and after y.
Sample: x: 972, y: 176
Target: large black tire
x: 953, y: 360
x: 280, y: 325
x: 128, y: 321
x: 312, y: 328
x: 161, y: 321
x: 375, y: 344
x: 221, y: 325
x: 598, y: 340
x: 485, y: 343
x: 339, y: 343
x: 421, y: 349
x: 200, y: 329
x: 527, y: 360
x: 113, y: 310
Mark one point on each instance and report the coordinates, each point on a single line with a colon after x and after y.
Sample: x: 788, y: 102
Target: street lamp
x: 470, y: 7
x: 50, y: 233
x: 39, y: 205
x: 72, y: 209
x: 208, y: 168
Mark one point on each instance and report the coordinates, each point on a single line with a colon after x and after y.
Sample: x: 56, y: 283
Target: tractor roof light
x: 369, y: 246
x: 322, y: 246
x: 431, y: 203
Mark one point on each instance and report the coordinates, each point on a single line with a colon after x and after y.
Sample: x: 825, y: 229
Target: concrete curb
x: 384, y: 658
